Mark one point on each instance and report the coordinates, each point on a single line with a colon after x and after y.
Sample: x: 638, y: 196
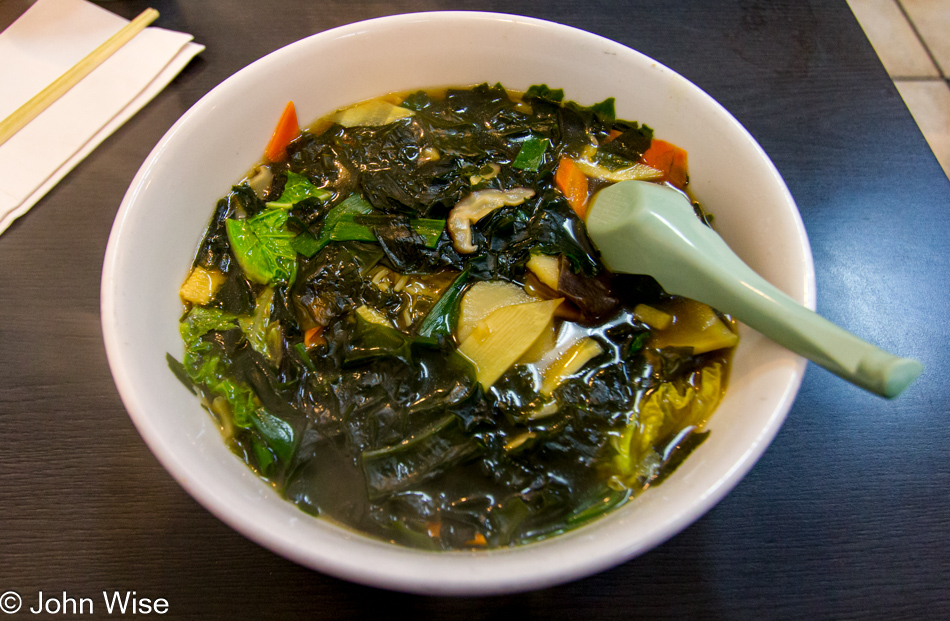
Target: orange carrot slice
x: 287, y: 129
x: 670, y: 159
x: 314, y: 337
x: 572, y: 182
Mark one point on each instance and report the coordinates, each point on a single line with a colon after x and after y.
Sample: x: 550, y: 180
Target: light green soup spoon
x: 646, y: 228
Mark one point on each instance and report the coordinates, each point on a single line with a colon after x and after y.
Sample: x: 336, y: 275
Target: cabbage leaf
x: 667, y: 409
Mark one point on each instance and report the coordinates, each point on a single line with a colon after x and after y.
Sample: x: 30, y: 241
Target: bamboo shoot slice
x: 695, y: 325
x: 542, y: 346
x: 373, y: 113
x: 497, y: 342
x: 573, y: 360
x: 372, y: 315
x: 546, y: 268
x: 653, y: 317
x: 482, y: 299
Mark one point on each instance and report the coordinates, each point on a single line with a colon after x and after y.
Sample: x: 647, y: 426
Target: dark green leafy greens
x: 328, y: 356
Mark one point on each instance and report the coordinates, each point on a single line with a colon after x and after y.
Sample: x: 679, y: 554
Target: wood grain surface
x: 847, y: 515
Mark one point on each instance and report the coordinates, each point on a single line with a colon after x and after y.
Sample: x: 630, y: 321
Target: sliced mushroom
x: 260, y: 181
x: 476, y: 206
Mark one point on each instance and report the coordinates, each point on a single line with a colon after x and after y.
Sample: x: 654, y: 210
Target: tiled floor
x: 912, y: 39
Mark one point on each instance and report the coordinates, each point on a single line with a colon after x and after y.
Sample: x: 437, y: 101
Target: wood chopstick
x: 42, y: 100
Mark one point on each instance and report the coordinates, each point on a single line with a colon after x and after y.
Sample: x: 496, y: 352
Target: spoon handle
x: 645, y: 228
x: 728, y: 284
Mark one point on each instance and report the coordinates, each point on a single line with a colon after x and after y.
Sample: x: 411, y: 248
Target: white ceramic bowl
x: 171, y: 199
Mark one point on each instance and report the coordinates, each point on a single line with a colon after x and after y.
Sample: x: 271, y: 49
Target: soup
x: 398, y: 321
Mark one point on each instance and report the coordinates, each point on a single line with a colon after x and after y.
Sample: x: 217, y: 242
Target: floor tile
x: 894, y: 40
x: 932, y: 20
x: 929, y: 102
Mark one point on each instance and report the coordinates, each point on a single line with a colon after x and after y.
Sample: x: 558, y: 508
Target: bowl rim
x: 383, y: 574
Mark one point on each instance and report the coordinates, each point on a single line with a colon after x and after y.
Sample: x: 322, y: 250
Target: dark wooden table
x: 847, y: 516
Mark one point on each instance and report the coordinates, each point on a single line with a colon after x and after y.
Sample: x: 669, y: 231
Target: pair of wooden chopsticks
x: 42, y: 100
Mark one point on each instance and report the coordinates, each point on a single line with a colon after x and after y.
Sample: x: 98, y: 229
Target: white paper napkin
x: 41, y: 45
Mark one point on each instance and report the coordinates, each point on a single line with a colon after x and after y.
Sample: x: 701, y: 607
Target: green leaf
x: 353, y: 220
x: 638, y: 342
x: 266, y: 460
x: 441, y: 320
x: 278, y: 434
x: 353, y: 205
x: 429, y: 229
x: 263, y: 335
x: 263, y: 246
x: 298, y: 188
x: 531, y: 154
x: 372, y: 340
x: 201, y: 320
x: 207, y: 369
x: 306, y: 244
x: 304, y: 357
x: 348, y: 229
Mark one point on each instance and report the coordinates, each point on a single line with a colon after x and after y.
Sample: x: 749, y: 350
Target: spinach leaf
x: 240, y: 202
x: 298, y: 188
x: 278, y: 433
x: 353, y: 220
x: 278, y: 422
x: 598, y: 505
x: 263, y: 247
x: 305, y: 242
x: 336, y: 217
